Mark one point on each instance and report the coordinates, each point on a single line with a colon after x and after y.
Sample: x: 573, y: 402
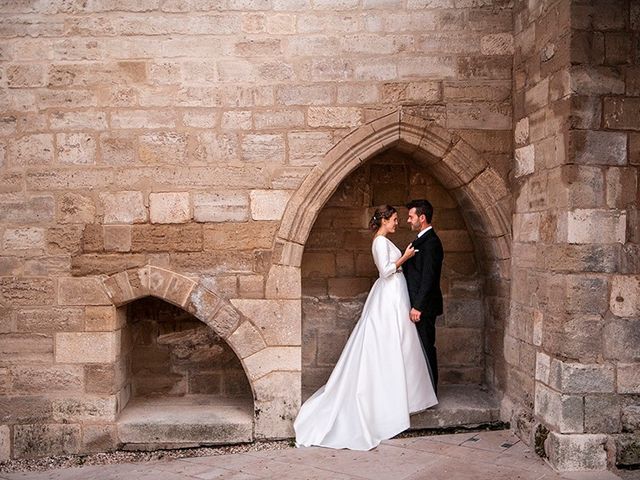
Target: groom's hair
x: 423, y: 207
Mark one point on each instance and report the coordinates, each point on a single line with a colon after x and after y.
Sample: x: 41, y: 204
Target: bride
x: 382, y: 375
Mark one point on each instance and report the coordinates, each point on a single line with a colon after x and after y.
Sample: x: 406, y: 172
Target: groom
x: 422, y: 272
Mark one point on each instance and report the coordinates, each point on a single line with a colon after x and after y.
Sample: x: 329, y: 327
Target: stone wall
x: 174, y: 354
x: 571, y: 341
x: 161, y: 148
x: 338, y: 270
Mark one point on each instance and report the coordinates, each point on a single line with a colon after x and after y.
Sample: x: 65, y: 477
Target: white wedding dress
x: 382, y: 375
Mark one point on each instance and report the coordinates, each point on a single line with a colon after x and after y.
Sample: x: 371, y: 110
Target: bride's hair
x: 383, y: 211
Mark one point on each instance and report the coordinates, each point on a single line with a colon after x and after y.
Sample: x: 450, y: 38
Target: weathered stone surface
x: 268, y: 204
x: 273, y: 318
x: 171, y: 207
x: 564, y: 412
x: 23, y: 291
x: 32, y: 441
x: 234, y: 236
x: 221, y: 207
x: 95, y: 347
x: 117, y: 238
x: 272, y: 359
x: 246, y: 340
x: 98, y: 438
x: 589, y: 147
x: 581, y: 378
x: 44, y: 320
x: 621, y: 113
x: 581, y: 226
x: 65, y: 240
x: 76, y: 148
x: 625, y: 296
x: 82, y: 291
x: 627, y: 447
x: 31, y: 150
x: 275, y: 412
x: 85, y: 409
x: 164, y: 238
x: 20, y: 348
x: 55, y: 378
x: 628, y: 378
x: 123, y: 207
x: 5, y: 443
x: 576, y: 452
x: 622, y: 339
x: 602, y: 414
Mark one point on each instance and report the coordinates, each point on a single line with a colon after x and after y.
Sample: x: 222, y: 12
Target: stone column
x: 574, y: 311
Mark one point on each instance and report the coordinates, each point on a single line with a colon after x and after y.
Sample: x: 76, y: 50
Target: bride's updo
x: 383, y: 211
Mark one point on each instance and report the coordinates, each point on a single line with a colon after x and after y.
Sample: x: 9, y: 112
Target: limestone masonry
x: 185, y: 192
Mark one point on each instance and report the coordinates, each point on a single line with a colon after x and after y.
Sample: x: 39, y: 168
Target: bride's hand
x: 409, y: 252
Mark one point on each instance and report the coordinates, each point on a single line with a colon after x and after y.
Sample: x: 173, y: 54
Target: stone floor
x: 495, y: 455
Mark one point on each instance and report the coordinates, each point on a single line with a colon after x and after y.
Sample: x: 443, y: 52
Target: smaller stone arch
x: 208, y: 307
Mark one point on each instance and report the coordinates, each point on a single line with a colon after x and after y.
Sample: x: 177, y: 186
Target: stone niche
x: 338, y: 270
x: 174, y: 354
x: 185, y: 386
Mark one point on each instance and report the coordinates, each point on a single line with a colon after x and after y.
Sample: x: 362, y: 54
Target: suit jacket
x: 422, y: 272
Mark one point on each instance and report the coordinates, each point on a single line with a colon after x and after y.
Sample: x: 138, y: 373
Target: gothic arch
x: 480, y: 191
x: 225, y: 320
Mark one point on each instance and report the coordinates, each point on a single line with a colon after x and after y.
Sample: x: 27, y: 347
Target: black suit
x: 422, y: 272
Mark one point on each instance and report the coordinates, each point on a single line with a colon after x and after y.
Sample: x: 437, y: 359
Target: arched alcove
x: 480, y: 193
x: 180, y: 375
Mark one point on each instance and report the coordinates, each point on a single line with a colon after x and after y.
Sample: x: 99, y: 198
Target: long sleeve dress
x: 381, y: 376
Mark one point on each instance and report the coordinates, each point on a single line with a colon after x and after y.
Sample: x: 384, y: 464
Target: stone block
x: 55, y: 378
x: 117, y: 238
x: 235, y: 236
x: 335, y: 117
x: 576, y: 452
x: 564, y: 412
x: 627, y: 450
x: 622, y: 339
x: 101, y: 319
x: 596, y: 226
x: 203, y: 304
x: 569, y: 377
x: 94, y: 347
x: 594, y: 80
x: 275, y: 319
x: 65, y: 239
x: 166, y: 238
x: 33, y: 441
x: 251, y: 286
x: 82, y: 291
x: 586, y: 112
x: 521, y: 133
x: 630, y: 418
x: 621, y: 113
x: 47, y: 320
x: 86, y: 409
x: 526, y: 227
x: 464, y: 312
x: 459, y: 346
x: 23, y: 238
x: 277, y: 404
x: 20, y: 348
x: 76, y: 148
x: 308, y: 148
x: 602, y: 414
x: 98, y: 438
x: 268, y: 204
x: 123, y: 207
x: 589, y: 147
x: 118, y: 148
x: 246, y: 340
x: 628, y: 378
x: 237, y: 120
x: 85, y: 120
x: 32, y: 291
x: 5, y: 443
x: 221, y: 207
x: 142, y: 119
x: 625, y: 296
x: 283, y: 282
x: 272, y: 359
x: 263, y: 148
x: 75, y: 208
x: 171, y: 207
x: 163, y: 147
x: 105, y: 378
x: 31, y: 150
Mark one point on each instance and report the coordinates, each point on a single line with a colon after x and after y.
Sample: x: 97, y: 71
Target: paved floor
x: 494, y: 455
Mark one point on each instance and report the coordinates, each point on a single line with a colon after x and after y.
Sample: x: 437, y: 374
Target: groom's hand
x: 414, y: 315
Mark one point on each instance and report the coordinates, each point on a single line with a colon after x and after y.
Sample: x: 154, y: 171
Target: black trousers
x: 427, y: 333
